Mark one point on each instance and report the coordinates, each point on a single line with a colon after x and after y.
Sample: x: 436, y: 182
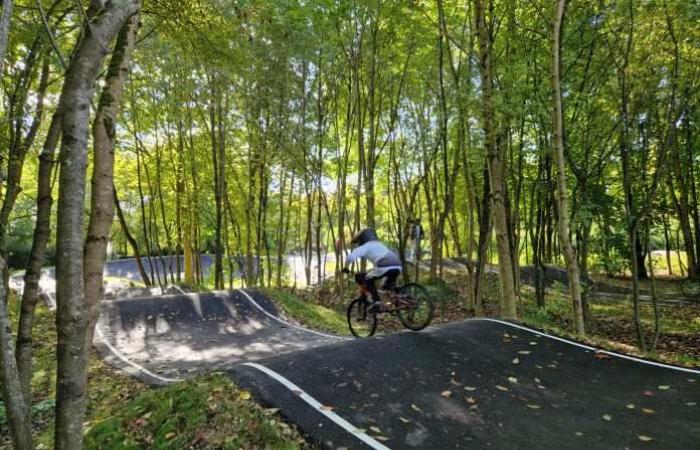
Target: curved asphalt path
x: 461, y: 386
x: 167, y: 338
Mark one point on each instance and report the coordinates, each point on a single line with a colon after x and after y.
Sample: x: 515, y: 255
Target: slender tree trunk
x: 484, y: 239
x: 131, y: 240
x: 562, y: 200
x: 5, y: 19
x: 16, y: 406
x: 42, y: 230
x: 102, y: 195
x: 494, y: 158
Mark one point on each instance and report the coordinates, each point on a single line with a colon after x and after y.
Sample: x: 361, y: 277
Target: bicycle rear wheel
x: 361, y: 322
x: 420, y: 314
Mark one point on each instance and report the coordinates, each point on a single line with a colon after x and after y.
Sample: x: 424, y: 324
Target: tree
x: 562, y: 194
x: 494, y: 158
x: 105, y: 20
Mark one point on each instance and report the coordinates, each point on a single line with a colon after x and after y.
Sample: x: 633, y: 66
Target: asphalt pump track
x: 480, y: 383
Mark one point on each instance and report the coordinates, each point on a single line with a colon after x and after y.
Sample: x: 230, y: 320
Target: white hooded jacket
x: 379, y: 255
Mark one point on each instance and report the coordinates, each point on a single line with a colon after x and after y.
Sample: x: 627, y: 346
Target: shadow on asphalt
x: 179, y: 335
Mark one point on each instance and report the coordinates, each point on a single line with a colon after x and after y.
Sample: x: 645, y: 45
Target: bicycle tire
x: 424, y: 305
x: 361, y: 323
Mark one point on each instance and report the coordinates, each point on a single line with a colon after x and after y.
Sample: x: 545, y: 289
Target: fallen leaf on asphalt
x: 404, y: 420
x: 630, y: 406
x: 244, y: 395
x: 415, y: 408
x: 516, y: 360
x: 359, y: 430
x: 533, y: 343
x: 648, y: 411
x: 524, y: 352
x: 512, y: 379
x: 691, y: 403
x: 648, y: 394
x: 375, y: 429
x: 664, y: 387
x: 532, y: 406
x: 469, y: 388
x: 470, y: 400
x: 271, y: 411
x: 326, y: 408
x: 607, y: 417
x: 446, y: 394
x: 501, y: 388
x: 381, y: 438
x: 578, y: 433
x: 645, y: 438
x: 600, y: 355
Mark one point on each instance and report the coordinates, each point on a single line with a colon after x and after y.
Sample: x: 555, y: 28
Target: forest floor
x: 610, y: 323
x: 209, y: 411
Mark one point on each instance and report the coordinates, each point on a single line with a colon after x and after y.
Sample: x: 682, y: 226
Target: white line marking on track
x: 318, y: 406
x: 119, y: 355
x: 588, y: 347
x: 273, y: 317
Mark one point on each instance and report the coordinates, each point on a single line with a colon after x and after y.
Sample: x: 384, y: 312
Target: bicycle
x: 410, y: 302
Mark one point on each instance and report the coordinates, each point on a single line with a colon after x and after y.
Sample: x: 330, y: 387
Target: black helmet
x: 365, y: 236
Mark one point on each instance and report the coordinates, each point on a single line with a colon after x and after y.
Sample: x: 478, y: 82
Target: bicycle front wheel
x: 362, y: 323
x: 420, y: 313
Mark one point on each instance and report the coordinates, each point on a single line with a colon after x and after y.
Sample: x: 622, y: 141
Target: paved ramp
x: 479, y: 384
x: 163, y: 339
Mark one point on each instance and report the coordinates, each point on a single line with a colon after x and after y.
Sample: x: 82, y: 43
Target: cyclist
x: 386, y: 264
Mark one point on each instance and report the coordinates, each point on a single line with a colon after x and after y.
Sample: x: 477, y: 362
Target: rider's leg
x: 390, y: 279
x: 370, y: 283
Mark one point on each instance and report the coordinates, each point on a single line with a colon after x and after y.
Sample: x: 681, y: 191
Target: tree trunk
x: 42, y: 231
x: 71, y: 315
x: 494, y: 157
x: 562, y: 200
x: 101, y: 201
x: 130, y: 239
x: 16, y: 406
x: 5, y: 18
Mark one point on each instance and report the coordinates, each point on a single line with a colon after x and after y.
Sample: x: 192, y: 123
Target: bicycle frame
x: 397, y: 303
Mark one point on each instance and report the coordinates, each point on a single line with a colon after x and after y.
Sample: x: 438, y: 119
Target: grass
x: 123, y: 413
x: 309, y: 314
x: 611, y: 325
x: 205, y: 412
